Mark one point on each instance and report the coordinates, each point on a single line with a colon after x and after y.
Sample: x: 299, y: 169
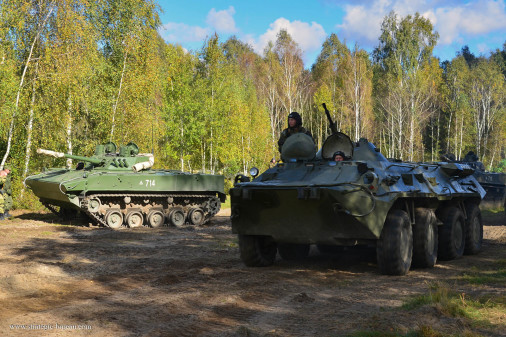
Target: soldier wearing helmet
x: 294, y: 126
x: 338, y: 156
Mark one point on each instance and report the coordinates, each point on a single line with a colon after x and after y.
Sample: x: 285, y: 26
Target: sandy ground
x: 73, y: 280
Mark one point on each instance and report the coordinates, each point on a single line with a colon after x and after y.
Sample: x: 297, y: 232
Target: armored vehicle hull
x: 493, y: 183
x: 121, y: 196
x: 413, y: 212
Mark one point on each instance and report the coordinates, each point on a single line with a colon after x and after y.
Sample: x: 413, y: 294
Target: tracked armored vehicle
x: 414, y: 213
x: 118, y: 189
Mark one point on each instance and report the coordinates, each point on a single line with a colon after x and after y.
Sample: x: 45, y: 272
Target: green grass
x: 423, y: 331
x: 492, y: 212
x: 478, y: 311
x: 496, y: 274
x: 226, y: 204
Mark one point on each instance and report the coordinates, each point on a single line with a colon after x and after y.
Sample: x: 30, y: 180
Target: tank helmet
x: 295, y: 115
x: 338, y: 153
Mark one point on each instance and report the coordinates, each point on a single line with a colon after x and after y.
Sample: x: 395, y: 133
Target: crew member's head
x: 338, y: 156
x: 294, y: 120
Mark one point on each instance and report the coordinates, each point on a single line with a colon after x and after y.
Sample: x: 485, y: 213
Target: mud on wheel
x: 153, y: 210
x: 452, y: 234
x: 474, y: 229
x: 425, y: 238
x: 394, y: 249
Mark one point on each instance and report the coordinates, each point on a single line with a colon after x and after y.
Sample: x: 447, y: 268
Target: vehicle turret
x: 105, y: 157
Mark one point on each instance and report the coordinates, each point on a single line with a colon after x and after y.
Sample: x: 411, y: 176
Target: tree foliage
x: 75, y: 73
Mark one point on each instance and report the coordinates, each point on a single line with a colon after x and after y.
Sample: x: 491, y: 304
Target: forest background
x: 76, y: 73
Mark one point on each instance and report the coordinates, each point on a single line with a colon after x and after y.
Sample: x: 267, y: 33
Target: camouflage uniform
x: 5, y: 196
x: 290, y: 131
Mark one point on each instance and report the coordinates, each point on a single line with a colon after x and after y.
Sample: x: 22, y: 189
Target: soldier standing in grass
x: 5, y: 194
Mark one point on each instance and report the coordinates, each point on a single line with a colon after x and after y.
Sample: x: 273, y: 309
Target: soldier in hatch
x: 294, y: 126
x: 338, y: 156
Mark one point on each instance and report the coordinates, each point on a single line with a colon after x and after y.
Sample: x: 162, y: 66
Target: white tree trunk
x: 29, y: 129
x: 115, y: 107
x: 20, y: 88
x: 69, y: 131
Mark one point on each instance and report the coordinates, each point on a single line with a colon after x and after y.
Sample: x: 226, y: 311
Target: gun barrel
x: 333, y: 127
x: 71, y: 156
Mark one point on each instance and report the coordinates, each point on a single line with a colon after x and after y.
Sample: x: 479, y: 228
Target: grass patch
x: 226, y: 204
x: 492, y: 211
x: 228, y: 243
x: 484, y: 312
x: 424, y: 331
x: 495, y: 275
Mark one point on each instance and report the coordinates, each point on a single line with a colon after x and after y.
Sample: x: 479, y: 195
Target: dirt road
x: 67, y: 280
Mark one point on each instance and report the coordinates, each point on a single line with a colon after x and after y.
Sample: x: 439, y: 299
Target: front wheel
x: 257, y: 250
x: 394, y: 249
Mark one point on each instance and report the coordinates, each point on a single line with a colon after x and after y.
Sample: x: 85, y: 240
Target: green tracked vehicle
x: 119, y: 189
x: 414, y: 213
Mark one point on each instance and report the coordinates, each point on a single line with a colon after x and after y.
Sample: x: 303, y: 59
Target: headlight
x: 253, y: 172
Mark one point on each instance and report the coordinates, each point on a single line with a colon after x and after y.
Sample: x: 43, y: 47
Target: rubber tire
x: 177, y: 217
x: 257, y: 250
x: 474, y: 230
x: 291, y: 252
x: 117, y: 224
x: 153, y: 213
x: 394, y: 249
x: 192, y: 213
x: 452, y: 234
x: 130, y: 214
x: 425, y: 238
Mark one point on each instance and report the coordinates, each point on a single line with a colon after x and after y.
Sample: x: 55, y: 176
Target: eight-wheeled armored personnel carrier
x: 414, y: 213
x: 118, y: 189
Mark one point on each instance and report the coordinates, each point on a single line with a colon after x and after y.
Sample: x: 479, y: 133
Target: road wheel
x: 134, y: 219
x: 176, y: 217
x: 257, y: 250
x: 425, y: 238
x: 196, y: 216
x: 394, y: 249
x: 474, y: 230
x: 289, y: 251
x: 452, y: 234
x: 114, y: 218
x: 156, y: 218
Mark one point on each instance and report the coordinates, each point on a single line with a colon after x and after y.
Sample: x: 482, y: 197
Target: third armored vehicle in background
x: 413, y: 212
x: 120, y: 189
x: 493, y: 183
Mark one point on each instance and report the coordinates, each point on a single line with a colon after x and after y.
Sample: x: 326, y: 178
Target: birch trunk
x: 69, y: 131
x: 29, y: 129
x: 115, y: 107
x: 20, y: 88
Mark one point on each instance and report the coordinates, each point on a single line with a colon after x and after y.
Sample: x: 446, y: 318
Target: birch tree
x: 404, y: 58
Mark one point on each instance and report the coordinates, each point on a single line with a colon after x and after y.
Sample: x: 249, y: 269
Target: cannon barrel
x: 332, y: 125
x: 70, y: 156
